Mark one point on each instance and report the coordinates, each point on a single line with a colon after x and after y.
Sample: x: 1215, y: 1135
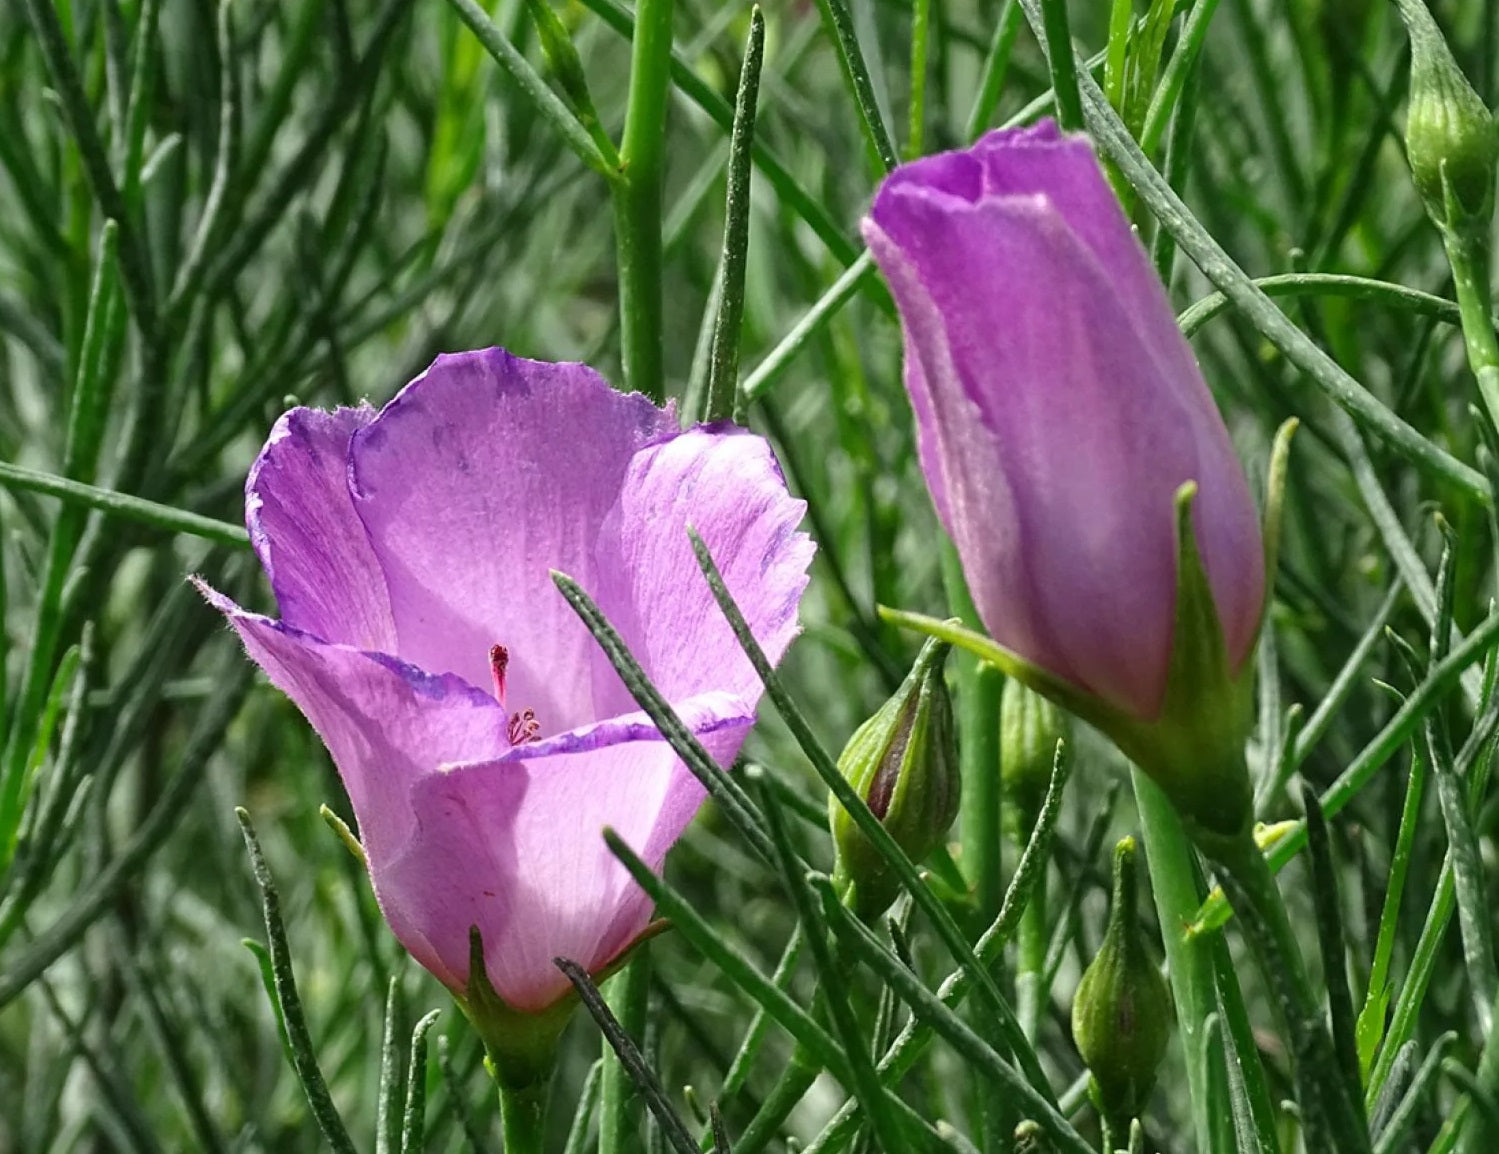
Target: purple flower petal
x: 1056, y: 419
x: 482, y: 476
x: 724, y: 483
x: 514, y: 847
x: 386, y: 723
x: 303, y: 526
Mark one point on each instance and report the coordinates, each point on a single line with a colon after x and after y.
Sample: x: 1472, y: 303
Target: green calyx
x: 1121, y: 1015
x: 903, y: 762
x: 1450, y: 135
x: 1194, y: 747
x: 520, y: 1046
x: 1029, y: 728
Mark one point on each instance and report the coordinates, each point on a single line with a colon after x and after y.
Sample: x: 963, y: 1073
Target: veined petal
x: 479, y: 478
x: 386, y: 723
x: 1060, y: 494
x: 725, y: 483
x: 514, y: 846
x: 312, y: 544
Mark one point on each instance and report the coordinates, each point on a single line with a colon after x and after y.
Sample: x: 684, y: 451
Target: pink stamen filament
x: 523, y: 727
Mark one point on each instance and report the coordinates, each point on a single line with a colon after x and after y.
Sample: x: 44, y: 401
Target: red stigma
x: 499, y: 661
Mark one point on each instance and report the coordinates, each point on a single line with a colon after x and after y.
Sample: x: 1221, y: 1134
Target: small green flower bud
x: 1450, y: 135
x: 1121, y: 1016
x: 1029, y: 728
x: 903, y: 762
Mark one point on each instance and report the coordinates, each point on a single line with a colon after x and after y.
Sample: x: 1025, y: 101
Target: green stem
x: 979, y: 685
x: 1030, y: 966
x: 790, y: 1089
x: 1332, y: 1120
x: 1471, y: 1134
x: 1470, y: 260
x: 1057, y: 34
x: 637, y: 201
x: 523, y: 1117
x: 1173, y: 883
x: 628, y: 996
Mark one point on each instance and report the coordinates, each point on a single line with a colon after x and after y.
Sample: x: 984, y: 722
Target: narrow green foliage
x: 631, y: 1060
x: 562, y: 56
x: 1055, y: 33
x: 921, y: 28
x: 866, y: 1085
x: 414, y: 1112
x: 623, y: 1075
x: 638, y: 204
x: 289, y: 1002
x: 166, y: 518
x: 838, y: 20
x: 1331, y: 942
x: 869, y: 825
x: 546, y: 102
x: 724, y: 399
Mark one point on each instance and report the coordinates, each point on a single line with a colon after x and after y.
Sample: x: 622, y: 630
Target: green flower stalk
x: 1121, y: 1016
x: 903, y: 762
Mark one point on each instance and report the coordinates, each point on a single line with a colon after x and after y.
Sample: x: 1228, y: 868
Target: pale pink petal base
x: 524, y: 835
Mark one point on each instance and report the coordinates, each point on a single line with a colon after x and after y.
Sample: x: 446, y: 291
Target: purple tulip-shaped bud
x: 1064, y: 429
x: 484, y: 739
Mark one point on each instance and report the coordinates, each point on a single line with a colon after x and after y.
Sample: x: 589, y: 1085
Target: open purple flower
x: 1059, y: 410
x: 483, y: 738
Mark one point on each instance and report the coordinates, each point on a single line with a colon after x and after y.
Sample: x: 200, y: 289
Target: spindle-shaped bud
x: 1121, y: 1016
x: 1450, y: 135
x: 903, y: 762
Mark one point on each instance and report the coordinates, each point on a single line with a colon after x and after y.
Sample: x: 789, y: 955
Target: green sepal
x: 520, y: 1046
x: 1194, y: 747
x: 344, y: 834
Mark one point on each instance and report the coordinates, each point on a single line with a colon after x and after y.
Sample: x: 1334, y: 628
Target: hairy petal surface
x: 309, y: 539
